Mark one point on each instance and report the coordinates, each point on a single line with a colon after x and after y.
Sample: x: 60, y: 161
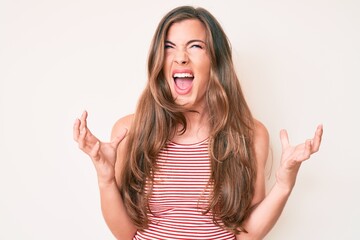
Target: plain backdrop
x: 298, y: 63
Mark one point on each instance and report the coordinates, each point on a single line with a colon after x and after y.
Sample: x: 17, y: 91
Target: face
x: 187, y: 63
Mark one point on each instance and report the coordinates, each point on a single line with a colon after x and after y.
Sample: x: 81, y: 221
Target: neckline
x: 190, y: 144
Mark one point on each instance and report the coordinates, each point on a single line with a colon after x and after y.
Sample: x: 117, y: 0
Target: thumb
x: 121, y: 135
x: 94, y: 153
x: 284, y: 139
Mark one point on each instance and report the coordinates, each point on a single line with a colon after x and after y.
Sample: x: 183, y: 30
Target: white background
x: 298, y: 61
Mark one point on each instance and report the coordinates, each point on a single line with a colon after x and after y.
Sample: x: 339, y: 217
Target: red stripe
x: 180, y: 194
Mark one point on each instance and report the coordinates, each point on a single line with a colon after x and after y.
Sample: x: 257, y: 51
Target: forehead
x: 185, y: 30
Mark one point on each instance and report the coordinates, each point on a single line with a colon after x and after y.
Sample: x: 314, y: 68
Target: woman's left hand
x: 293, y: 156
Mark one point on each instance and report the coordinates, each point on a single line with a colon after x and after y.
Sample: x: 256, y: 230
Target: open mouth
x: 183, y: 81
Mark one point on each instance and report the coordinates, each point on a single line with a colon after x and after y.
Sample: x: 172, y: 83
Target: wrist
x: 284, y: 189
x: 286, y: 178
x: 285, y: 184
x: 107, y: 183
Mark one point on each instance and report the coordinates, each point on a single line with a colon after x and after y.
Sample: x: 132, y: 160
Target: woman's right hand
x: 102, y: 154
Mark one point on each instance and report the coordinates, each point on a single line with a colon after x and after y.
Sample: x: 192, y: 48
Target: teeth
x: 182, y: 75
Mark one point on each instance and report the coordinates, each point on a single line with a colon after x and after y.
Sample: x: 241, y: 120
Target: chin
x: 184, y: 102
x: 188, y: 104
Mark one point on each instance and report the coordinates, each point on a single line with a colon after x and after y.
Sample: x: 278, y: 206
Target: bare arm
x: 104, y: 157
x: 266, y: 214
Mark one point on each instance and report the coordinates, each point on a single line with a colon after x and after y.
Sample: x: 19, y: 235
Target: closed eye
x: 169, y: 44
x: 196, y: 46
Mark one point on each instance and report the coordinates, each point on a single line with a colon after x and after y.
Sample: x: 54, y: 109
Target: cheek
x: 203, y: 62
x: 205, y: 76
x: 166, y: 69
x: 205, y: 71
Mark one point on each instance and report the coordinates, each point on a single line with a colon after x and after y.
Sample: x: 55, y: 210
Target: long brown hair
x: 157, y: 115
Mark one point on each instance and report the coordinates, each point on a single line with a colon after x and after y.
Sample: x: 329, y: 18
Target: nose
x: 181, y: 57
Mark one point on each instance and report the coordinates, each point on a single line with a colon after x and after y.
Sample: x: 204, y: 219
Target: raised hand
x: 102, y: 154
x: 293, y: 156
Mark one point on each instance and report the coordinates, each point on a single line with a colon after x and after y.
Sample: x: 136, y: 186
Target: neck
x: 197, y: 128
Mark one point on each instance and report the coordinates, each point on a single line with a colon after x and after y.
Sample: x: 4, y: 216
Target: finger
x: 76, y: 131
x: 115, y: 142
x: 317, y: 139
x: 83, y: 118
x: 94, y: 153
x: 307, y: 149
x: 284, y: 138
x: 81, y: 138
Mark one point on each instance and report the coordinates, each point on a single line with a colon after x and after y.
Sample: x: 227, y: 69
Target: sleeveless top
x: 180, y: 196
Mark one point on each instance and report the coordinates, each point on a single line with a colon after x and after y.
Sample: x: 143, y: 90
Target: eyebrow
x: 189, y: 42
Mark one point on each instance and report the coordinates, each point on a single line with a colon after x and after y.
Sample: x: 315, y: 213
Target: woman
x: 189, y: 164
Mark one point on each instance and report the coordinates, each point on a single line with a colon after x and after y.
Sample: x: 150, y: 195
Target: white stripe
x: 180, y: 195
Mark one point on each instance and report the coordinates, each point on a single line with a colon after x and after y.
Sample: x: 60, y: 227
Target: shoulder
x: 261, y: 142
x: 124, y: 122
x: 260, y: 131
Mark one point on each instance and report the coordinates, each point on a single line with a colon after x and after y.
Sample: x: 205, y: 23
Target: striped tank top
x: 180, y: 195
